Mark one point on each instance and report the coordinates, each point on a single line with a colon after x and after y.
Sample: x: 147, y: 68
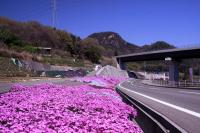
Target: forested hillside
x: 21, y: 39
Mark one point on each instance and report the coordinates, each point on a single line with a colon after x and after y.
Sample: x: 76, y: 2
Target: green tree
x: 65, y: 39
x: 74, y: 47
x: 91, y: 49
x: 7, y: 37
x: 93, y: 54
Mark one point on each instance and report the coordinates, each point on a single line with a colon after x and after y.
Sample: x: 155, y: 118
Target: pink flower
x: 56, y: 108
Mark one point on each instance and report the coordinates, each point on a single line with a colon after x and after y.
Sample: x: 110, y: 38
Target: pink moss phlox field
x: 54, y: 108
x: 105, y: 82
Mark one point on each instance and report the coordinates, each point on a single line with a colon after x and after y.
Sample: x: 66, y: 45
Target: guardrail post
x: 185, y: 82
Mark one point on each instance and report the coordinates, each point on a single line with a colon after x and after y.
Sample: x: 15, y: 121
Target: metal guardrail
x: 183, y: 83
x: 148, y: 119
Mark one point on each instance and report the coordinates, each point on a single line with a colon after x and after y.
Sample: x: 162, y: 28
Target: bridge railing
x: 182, y: 83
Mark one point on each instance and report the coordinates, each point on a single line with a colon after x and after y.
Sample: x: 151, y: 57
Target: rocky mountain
x: 114, y: 43
x: 159, y: 45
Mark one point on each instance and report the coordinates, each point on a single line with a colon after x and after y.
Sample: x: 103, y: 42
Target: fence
x: 183, y: 83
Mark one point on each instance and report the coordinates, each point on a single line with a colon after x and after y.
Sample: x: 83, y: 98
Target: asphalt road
x: 180, y: 106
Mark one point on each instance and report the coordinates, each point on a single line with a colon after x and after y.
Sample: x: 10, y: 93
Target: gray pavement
x: 179, y: 106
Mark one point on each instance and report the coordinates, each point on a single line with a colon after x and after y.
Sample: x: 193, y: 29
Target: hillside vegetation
x: 27, y: 36
x: 21, y: 39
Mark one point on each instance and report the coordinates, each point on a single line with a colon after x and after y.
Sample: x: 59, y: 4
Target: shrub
x: 93, y: 54
x: 30, y: 48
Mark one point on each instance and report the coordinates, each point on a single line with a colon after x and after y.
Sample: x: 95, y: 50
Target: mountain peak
x: 114, y: 42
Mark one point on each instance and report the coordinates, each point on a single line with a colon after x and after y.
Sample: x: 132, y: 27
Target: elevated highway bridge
x: 173, y: 56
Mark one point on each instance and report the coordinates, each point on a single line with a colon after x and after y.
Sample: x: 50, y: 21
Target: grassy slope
x: 8, y: 69
x: 69, y: 61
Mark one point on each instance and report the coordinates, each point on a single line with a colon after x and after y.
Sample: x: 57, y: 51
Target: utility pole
x: 54, y: 14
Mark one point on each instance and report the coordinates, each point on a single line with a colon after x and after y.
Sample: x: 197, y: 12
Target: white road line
x: 143, y: 86
x: 139, y: 86
x: 196, y: 114
x: 153, y: 88
x: 190, y: 92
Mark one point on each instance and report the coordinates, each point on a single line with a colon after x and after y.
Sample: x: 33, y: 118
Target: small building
x: 45, y: 51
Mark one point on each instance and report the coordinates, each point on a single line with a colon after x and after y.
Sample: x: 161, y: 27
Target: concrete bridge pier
x: 121, y: 64
x: 173, y: 71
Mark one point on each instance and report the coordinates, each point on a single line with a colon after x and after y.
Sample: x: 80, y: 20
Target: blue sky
x: 137, y: 21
